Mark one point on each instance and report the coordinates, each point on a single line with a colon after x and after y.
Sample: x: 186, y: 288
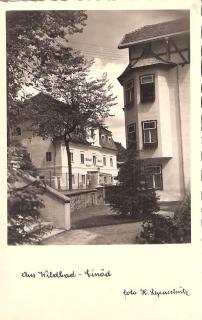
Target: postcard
x: 100, y: 160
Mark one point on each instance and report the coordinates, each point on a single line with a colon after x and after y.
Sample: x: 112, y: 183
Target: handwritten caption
x: 156, y: 292
x: 67, y: 275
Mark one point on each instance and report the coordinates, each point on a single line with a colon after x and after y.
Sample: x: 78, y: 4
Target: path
x: 112, y: 234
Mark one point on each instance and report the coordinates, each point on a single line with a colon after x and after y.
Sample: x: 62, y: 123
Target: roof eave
x: 129, y: 44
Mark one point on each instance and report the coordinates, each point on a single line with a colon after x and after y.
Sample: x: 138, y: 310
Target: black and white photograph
x: 98, y: 127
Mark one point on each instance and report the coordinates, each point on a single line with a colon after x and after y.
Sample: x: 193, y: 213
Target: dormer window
x: 109, y: 139
x: 92, y: 133
x: 129, y: 94
x: 147, y: 88
x: 103, y: 137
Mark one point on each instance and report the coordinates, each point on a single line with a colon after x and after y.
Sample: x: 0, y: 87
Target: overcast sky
x: 100, y: 39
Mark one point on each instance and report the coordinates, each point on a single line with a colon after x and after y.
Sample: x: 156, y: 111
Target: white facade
x: 92, y: 164
x: 156, y: 88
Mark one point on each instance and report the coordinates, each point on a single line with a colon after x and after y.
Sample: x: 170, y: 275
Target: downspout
x: 180, y: 130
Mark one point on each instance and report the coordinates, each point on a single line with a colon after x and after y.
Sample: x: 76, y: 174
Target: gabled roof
x: 155, y: 31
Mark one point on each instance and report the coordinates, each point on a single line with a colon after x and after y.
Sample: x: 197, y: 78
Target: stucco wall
x: 185, y: 113
x: 56, y: 211
x: 56, y: 206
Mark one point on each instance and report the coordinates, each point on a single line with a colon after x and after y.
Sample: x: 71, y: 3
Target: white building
x: 93, y: 160
x: 156, y: 87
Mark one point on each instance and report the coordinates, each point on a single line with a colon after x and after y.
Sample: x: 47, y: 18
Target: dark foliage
x: 132, y: 196
x: 24, y: 202
x: 159, y: 229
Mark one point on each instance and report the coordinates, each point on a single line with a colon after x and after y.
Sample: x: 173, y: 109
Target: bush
x: 24, y: 202
x: 137, y: 203
x: 160, y: 229
x: 131, y: 196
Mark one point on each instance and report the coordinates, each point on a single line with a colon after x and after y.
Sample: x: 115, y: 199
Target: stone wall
x: 86, y: 198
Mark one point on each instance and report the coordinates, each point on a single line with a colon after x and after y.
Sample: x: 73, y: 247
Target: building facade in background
x: 156, y: 87
x: 94, y: 160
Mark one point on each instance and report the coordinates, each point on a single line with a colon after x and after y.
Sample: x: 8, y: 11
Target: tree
x: 24, y: 200
x: 132, y: 196
x: 32, y: 37
x: 121, y: 152
x: 59, y: 72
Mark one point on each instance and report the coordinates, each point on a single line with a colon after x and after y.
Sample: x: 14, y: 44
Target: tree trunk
x: 69, y: 162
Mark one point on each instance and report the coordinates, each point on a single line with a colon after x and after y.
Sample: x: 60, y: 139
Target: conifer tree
x: 132, y: 196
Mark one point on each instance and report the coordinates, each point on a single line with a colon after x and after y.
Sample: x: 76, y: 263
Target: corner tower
x: 156, y: 89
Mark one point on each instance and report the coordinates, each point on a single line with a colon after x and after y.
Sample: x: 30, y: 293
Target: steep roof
x: 155, y: 31
x: 105, y: 143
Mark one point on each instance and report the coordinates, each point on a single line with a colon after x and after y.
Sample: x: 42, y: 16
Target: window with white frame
x: 111, y: 162
x: 131, y: 133
x: 147, y: 88
x: 104, y: 161
x: 48, y: 156
x: 83, y: 179
x: 129, y: 93
x: 72, y: 156
x: 149, y: 133
x: 153, y: 176
x: 82, y: 157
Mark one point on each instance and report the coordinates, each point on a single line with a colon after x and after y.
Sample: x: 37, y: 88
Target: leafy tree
x: 24, y: 200
x: 160, y: 229
x: 34, y: 38
x: 59, y: 72
x: 132, y: 195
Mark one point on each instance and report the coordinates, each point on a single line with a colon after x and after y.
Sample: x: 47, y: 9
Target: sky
x: 100, y: 39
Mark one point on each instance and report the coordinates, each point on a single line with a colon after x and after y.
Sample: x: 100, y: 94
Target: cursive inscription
x: 156, y: 292
x: 89, y: 273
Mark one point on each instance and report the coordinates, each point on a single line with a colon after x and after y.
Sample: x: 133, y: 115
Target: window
x: 92, y: 133
x: 94, y: 160
x: 104, y: 161
x: 147, y: 88
x: 103, y: 137
x: 129, y: 94
x: 131, y: 133
x: 109, y: 139
x: 111, y: 162
x: 154, y: 177
x: 72, y: 156
x: 82, y: 157
x: 48, y: 156
x: 73, y: 179
x: 149, y: 133
x: 83, y: 179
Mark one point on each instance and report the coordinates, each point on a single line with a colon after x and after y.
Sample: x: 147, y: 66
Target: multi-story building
x: 156, y: 87
x: 93, y: 160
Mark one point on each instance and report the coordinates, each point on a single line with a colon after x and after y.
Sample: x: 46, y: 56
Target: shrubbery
x: 24, y: 201
x: 131, y: 196
x: 160, y: 229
